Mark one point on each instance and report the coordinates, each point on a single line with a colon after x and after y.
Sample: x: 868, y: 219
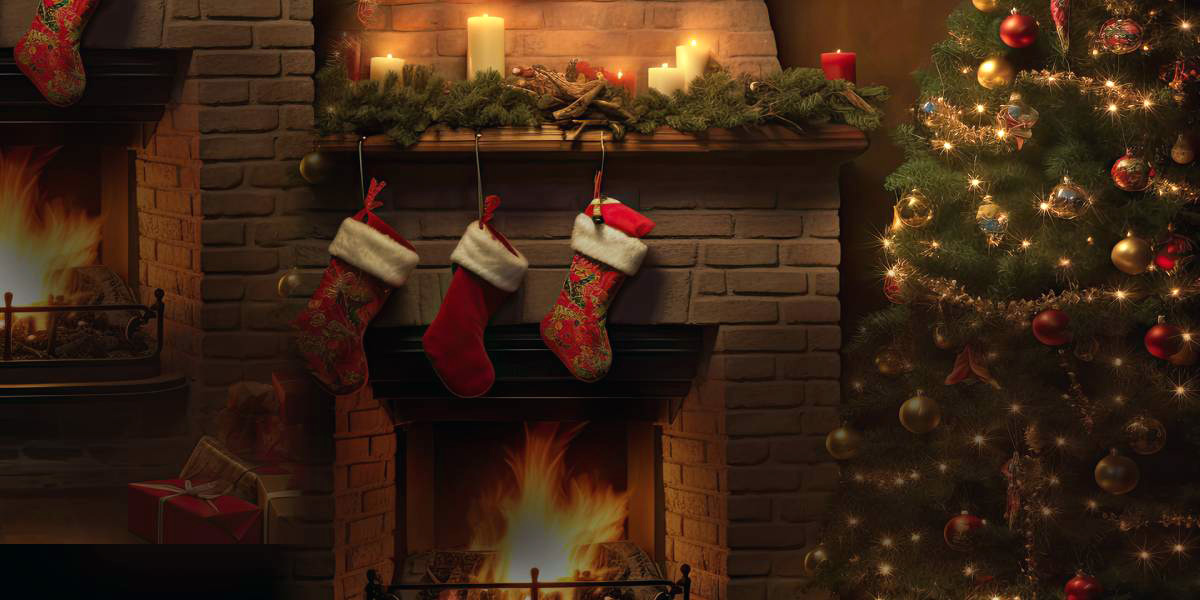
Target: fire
x: 41, y: 238
x: 544, y: 516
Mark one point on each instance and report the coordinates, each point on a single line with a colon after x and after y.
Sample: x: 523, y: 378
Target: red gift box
x: 178, y: 511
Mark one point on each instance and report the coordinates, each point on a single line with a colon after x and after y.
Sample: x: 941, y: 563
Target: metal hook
x: 598, y: 184
x: 603, y: 151
x: 479, y: 178
x: 362, y: 181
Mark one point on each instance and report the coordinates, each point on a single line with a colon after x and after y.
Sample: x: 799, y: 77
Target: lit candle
x: 840, y: 65
x: 485, y: 45
x: 665, y: 79
x: 691, y: 58
x: 381, y: 66
x: 620, y: 79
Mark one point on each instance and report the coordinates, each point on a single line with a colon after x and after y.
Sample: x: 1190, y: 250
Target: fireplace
x: 86, y: 398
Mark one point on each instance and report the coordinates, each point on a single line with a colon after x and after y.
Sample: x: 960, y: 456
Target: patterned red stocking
x: 48, y: 54
x: 575, y: 330
x: 369, y: 260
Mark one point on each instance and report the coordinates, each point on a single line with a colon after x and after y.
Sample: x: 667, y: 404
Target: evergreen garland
x: 404, y: 110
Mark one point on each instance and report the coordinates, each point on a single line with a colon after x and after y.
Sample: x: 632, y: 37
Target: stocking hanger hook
x: 479, y: 178
x: 598, y: 184
x: 362, y: 178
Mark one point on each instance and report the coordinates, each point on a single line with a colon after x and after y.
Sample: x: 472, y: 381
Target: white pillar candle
x: 665, y: 79
x: 485, y: 45
x: 692, y: 59
x: 382, y: 65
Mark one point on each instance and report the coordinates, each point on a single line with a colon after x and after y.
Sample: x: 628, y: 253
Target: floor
x: 86, y: 516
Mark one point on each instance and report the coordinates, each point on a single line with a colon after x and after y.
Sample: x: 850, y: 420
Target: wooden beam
x: 833, y: 141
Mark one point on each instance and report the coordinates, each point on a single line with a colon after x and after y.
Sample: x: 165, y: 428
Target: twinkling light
x: 885, y: 569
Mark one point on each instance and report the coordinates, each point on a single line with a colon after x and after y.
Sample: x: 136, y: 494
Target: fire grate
x: 85, y: 367
x: 377, y: 591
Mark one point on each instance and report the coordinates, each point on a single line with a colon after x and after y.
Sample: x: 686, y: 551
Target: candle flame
x: 664, y: 65
x: 839, y: 50
x: 485, y: 14
x: 620, y: 74
x: 389, y: 55
x: 693, y: 43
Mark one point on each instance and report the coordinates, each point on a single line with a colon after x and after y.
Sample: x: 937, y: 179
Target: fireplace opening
x: 559, y: 497
x: 66, y: 240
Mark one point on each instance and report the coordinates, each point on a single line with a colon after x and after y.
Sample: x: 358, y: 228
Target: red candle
x: 840, y: 65
x: 621, y: 79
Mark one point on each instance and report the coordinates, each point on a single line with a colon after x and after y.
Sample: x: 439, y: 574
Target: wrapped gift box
x: 181, y: 511
x: 212, y: 461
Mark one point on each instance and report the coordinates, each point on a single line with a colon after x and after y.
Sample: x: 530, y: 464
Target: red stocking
x: 369, y: 260
x: 575, y: 330
x: 48, y: 54
x: 488, y: 269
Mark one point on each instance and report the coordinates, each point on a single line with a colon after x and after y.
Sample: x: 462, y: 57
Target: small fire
x: 41, y: 239
x: 544, y: 516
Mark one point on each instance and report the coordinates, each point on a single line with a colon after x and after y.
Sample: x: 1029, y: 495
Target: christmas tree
x: 1023, y: 422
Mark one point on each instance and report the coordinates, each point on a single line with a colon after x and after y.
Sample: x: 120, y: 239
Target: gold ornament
x: 814, y: 560
x: 288, y: 282
x: 914, y: 210
x: 316, y: 166
x: 920, y: 414
x: 1182, y: 152
x: 995, y: 73
x: 891, y: 362
x: 986, y: 5
x: 843, y: 443
x: 1146, y: 435
x: 1117, y: 474
x: 1132, y: 255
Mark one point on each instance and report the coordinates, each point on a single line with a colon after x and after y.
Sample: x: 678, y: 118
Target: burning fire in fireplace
x: 41, y: 239
x: 543, y: 515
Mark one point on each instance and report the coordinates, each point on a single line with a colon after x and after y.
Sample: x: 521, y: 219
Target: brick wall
x: 630, y: 35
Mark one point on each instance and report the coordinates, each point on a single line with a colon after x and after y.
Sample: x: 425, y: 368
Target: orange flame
x: 545, y: 516
x: 41, y: 238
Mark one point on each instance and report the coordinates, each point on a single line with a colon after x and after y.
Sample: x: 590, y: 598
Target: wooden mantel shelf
x: 832, y: 140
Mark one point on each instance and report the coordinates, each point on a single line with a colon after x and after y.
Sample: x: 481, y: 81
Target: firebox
x: 544, y: 472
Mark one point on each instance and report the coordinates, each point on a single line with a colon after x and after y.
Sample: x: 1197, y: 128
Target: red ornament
x: 1018, y: 30
x: 1083, y: 587
x: 1164, y: 341
x: 893, y: 288
x: 1052, y: 327
x: 960, y: 531
x: 1132, y: 173
x: 1175, y: 249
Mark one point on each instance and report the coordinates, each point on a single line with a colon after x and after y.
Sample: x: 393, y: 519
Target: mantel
x: 829, y: 142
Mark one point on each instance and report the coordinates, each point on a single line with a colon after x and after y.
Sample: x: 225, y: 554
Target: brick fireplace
x: 746, y: 251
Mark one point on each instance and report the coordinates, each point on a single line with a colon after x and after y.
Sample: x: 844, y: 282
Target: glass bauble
x: 995, y: 73
x: 1132, y: 255
x: 843, y: 443
x: 1117, y: 474
x: 316, y: 166
x: 1132, y: 173
x: 990, y: 218
x: 914, y: 210
x: 1068, y: 200
x: 1145, y: 435
x: 920, y: 414
x: 1121, y: 36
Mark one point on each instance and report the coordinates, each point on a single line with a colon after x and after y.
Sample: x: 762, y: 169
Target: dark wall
x: 892, y: 38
